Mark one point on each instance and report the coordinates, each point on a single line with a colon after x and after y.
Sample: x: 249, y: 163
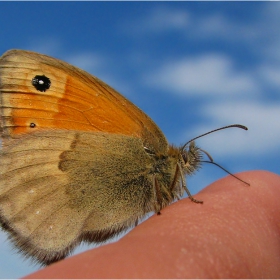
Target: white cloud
x: 87, y: 61
x: 202, y: 75
x: 260, y: 33
x: 220, y: 27
x: 261, y: 119
x: 45, y: 45
x: 270, y: 74
x: 165, y: 19
x: 271, y: 51
x: 159, y: 20
x: 215, y: 24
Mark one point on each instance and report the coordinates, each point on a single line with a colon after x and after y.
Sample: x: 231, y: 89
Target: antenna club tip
x: 241, y: 126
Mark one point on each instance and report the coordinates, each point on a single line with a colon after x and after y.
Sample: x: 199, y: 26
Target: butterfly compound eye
x: 41, y: 82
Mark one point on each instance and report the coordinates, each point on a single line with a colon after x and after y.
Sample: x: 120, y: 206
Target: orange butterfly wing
x: 72, y: 147
x: 75, y: 101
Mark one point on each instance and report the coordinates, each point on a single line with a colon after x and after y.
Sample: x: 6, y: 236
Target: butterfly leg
x: 185, y: 186
x: 175, y: 183
x: 157, y: 195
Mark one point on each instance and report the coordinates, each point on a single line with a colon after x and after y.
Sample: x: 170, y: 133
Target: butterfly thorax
x: 169, y: 171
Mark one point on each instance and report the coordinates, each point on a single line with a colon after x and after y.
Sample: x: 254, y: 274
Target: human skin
x: 235, y: 233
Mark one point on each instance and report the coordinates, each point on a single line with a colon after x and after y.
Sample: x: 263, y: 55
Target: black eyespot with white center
x: 32, y: 125
x: 41, y: 82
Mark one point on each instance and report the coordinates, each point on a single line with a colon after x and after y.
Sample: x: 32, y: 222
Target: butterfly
x: 79, y: 162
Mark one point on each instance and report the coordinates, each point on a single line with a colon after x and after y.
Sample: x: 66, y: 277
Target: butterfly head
x: 191, y: 157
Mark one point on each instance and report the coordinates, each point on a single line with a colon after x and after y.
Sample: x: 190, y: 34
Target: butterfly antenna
x: 221, y: 128
x: 209, y: 161
x: 208, y: 155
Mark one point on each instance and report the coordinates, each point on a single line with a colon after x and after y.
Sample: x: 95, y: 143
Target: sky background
x: 191, y: 66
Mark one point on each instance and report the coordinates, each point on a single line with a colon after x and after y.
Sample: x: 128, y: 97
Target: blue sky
x: 191, y: 66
